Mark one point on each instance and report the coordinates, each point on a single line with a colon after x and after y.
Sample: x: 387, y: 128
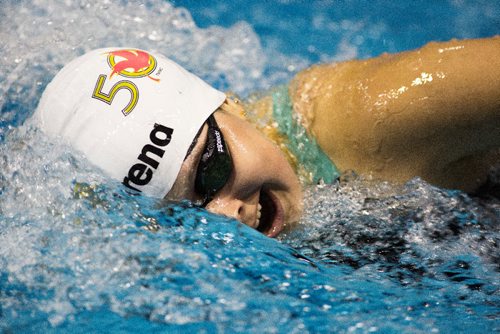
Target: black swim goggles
x: 215, y: 165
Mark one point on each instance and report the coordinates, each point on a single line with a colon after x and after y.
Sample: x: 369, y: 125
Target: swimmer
x: 162, y: 131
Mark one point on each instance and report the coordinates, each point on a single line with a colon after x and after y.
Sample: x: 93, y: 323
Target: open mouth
x: 271, y: 220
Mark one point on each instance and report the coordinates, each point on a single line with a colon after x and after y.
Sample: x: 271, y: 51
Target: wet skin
x: 431, y: 112
x: 263, y: 191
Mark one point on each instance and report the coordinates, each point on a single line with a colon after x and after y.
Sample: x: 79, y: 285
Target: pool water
x: 368, y: 257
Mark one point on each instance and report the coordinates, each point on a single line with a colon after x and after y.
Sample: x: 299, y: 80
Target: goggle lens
x: 215, y: 166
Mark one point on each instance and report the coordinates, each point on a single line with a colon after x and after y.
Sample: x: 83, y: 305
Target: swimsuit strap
x: 310, y: 156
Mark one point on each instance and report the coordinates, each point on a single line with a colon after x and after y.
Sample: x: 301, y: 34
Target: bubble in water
x: 77, y: 251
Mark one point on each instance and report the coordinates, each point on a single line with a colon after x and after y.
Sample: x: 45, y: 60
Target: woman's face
x: 262, y: 192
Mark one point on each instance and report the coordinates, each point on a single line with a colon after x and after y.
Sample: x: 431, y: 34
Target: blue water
x: 369, y: 257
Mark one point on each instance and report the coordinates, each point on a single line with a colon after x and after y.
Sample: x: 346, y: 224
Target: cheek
x: 274, y: 166
x: 266, y: 156
x: 273, y: 156
x: 254, y: 155
x: 256, y: 164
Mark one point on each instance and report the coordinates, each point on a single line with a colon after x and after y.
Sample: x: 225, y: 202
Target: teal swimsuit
x: 306, y: 149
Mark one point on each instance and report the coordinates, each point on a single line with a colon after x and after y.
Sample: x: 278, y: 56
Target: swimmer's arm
x: 417, y: 113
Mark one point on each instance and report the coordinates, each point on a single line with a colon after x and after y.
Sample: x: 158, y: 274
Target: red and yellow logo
x: 132, y: 63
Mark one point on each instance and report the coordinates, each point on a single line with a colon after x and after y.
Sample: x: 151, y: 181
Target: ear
x: 234, y: 106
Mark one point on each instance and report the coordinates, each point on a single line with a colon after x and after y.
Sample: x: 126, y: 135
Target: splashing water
x: 368, y: 256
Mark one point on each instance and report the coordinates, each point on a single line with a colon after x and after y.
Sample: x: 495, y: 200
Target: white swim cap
x: 132, y: 113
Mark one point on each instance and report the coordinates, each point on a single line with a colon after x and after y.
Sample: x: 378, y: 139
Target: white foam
x: 39, y: 37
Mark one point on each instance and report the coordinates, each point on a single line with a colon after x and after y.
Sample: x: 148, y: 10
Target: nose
x: 234, y: 208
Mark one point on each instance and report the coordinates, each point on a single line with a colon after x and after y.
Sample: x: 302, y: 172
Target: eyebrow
x: 195, y: 141
x: 191, y: 170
